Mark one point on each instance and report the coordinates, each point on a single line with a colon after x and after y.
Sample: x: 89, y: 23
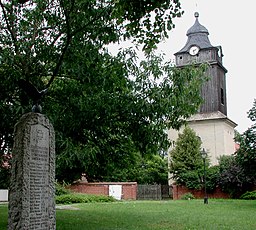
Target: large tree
x: 105, y: 109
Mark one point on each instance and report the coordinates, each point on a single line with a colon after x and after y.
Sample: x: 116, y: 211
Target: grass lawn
x: 155, y: 215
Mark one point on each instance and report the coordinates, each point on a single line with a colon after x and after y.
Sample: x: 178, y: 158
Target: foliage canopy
x: 107, y: 111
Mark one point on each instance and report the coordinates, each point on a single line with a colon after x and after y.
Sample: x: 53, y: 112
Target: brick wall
x: 178, y: 191
x: 129, y: 189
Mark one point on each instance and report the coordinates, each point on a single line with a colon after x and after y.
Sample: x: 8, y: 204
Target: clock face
x: 193, y: 50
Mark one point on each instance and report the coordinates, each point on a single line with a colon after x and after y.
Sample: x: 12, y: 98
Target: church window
x: 222, y: 96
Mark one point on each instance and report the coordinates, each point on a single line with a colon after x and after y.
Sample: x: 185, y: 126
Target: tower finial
x: 196, y: 14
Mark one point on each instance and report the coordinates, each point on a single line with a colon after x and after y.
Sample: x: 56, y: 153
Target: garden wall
x: 128, y: 189
x: 178, y: 191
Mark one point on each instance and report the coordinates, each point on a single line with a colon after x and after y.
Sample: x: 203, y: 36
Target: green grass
x: 155, y: 215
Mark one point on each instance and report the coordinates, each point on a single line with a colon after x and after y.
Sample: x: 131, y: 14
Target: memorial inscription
x: 31, y: 203
x: 39, y: 176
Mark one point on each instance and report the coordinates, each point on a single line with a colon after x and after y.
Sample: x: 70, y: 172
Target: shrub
x: 212, y: 178
x: 232, y: 177
x: 60, y: 189
x: 190, y: 179
x: 249, y: 195
x: 187, y: 196
x: 82, y: 198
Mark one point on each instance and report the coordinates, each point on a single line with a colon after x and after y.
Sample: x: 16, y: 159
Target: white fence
x: 3, y: 195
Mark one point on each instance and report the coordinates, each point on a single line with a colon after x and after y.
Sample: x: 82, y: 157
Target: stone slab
x: 32, y: 190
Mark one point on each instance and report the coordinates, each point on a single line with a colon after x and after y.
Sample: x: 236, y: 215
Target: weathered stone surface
x: 31, y: 204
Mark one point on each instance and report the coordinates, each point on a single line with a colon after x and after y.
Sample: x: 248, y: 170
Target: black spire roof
x: 197, y: 35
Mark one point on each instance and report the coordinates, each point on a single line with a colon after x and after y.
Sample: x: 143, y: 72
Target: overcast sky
x: 231, y: 24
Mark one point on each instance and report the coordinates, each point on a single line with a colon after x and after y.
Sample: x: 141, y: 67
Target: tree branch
x: 9, y: 28
x: 69, y: 37
x: 68, y: 41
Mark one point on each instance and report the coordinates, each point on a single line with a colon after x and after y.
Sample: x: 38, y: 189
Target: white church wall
x: 216, y: 136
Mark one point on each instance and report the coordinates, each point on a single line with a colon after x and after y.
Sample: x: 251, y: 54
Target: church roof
x: 197, y: 35
x: 210, y: 116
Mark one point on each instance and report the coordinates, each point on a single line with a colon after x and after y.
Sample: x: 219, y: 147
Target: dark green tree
x: 186, y: 162
x: 212, y: 178
x: 246, y: 154
x: 232, y: 178
x: 106, y: 110
x: 237, y: 172
x: 153, y: 170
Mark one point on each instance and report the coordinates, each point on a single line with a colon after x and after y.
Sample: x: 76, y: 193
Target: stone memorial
x: 32, y: 188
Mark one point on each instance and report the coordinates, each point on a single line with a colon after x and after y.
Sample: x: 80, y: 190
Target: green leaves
x: 146, y: 21
x: 186, y: 162
x: 107, y: 111
x: 153, y: 170
x: 246, y: 154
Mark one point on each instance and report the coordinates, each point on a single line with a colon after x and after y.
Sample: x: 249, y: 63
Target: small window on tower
x: 222, y: 96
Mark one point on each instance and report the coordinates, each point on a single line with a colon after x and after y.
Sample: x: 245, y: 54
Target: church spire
x: 197, y: 35
x: 197, y: 27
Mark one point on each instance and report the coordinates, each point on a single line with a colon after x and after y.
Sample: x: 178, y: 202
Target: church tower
x: 211, y: 123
